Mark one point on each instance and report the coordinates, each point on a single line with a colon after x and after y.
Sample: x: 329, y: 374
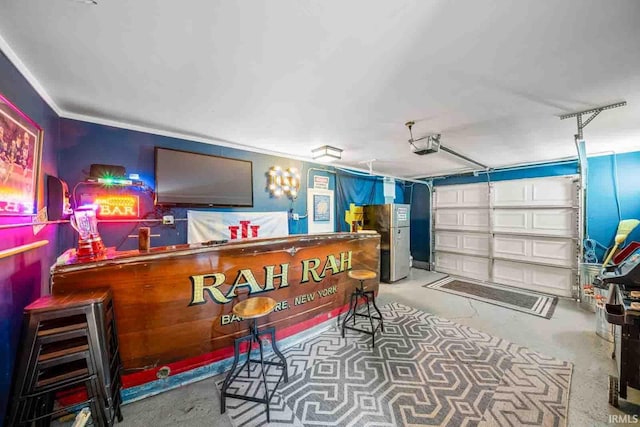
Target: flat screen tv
x: 199, y: 180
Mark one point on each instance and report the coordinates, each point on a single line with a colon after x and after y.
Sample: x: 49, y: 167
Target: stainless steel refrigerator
x: 392, y: 222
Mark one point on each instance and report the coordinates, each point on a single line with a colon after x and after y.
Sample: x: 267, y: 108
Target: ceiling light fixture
x: 326, y: 153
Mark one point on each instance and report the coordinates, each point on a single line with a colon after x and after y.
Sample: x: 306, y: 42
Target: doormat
x: 424, y: 370
x: 434, y: 277
x: 533, y: 303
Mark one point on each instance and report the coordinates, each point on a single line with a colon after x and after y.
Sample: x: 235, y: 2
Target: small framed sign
x: 321, y: 208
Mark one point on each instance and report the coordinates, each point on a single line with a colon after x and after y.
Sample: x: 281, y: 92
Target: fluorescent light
x: 326, y: 153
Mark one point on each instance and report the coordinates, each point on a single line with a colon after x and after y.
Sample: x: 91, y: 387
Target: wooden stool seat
x: 362, y: 274
x: 70, y: 300
x: 254, y: 307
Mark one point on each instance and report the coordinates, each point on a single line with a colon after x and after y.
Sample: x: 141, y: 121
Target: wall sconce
x: 326, y: 153
x: 284, y: 182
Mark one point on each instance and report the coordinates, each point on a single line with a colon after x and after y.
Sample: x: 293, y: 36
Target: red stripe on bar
x: 142, y: 377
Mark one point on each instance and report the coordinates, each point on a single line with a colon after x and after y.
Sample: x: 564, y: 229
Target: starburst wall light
x: 283, y: 182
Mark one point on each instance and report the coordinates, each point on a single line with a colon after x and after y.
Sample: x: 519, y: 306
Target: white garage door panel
x: 552, y: 222
x: 560, y: 252
x: 557, y: 191
x: 520, y: 233
x: 557, y: 281
x: 462, y: 265
x: 471, y: 243
x: 554, y: 192
x: 459, y: 196
x: 463, y: 219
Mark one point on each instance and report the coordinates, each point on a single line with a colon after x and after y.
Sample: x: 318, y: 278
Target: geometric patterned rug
x: 424, y: 370
x: 522, y: 300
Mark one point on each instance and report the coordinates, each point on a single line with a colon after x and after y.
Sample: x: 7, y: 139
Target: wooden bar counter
x: 173, y: 304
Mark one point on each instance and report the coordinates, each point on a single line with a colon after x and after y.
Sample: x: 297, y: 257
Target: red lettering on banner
x: 244, y: 228
x: 233, y: 229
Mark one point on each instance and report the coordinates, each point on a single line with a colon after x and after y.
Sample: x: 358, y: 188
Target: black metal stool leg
x: 361, y: 294
x: 264, y: 377
x: 355, y: 308
x: 346, y: 318
x: 119, y: 414
x: 373, y: 329
x: 272, y: 333
x: 248, y: 361
x: 227, y: 380
x: 98, y: 412
x: 45, y: 405
x: 373, y: 299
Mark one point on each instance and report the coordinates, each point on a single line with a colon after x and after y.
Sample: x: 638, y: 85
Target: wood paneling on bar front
x: 171, y: 302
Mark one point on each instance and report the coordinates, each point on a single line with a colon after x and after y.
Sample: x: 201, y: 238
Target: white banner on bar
x: 205, y: 226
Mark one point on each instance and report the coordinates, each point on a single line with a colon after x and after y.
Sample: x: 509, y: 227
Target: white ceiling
x: 287, y: 76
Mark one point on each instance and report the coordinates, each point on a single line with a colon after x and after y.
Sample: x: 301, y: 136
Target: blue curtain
x: 354, y: 189
x: 361, y: 190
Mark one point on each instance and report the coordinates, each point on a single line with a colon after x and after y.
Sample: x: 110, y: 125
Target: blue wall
x: 420, y: 199
x: 554, y: 169
x: 602, y: 208
x: 23, y: 276
x: 87, y: 143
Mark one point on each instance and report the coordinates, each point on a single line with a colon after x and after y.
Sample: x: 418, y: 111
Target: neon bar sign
x: 118, y: 206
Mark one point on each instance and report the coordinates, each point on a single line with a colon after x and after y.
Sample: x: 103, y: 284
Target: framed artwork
x: 321, y: 208
x: 20, y: 152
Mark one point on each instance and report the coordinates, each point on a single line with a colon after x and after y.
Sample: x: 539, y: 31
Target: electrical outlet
x: 168, y: 220
x: 295, y: 216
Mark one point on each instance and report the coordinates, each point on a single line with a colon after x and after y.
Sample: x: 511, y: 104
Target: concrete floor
x: 569, y: 335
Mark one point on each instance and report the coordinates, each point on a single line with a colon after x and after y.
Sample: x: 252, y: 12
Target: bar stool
x: 252, y: 309
x: 369, y: 298
x: 69, y: 346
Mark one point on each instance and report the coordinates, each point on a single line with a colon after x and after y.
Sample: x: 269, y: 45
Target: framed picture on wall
x: 321, y: 208
x: 20, y: 152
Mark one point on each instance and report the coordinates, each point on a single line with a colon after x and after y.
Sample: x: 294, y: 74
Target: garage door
x: 522, y: 233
